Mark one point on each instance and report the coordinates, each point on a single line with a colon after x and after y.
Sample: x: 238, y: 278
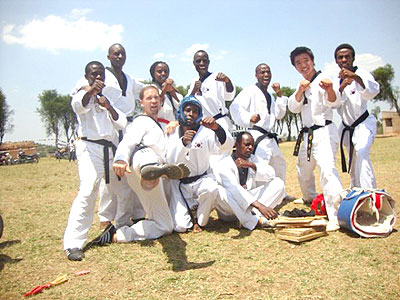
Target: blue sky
x: 46, y: 44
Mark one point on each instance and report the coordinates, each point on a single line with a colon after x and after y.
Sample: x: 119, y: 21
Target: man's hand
x: 277, y: 89
x: 345, y: 73
x: 196, y: 88
x: 326, y: 84
x: 96, y: 87
x: 255, y: 118
x: 267, y: 212
x: 347, y: 81
x: 222, y: 77
x: 188, y: 137
x: 304, y: 85
x: 171, y: 127
x: 242, y: 163
x: 103, y: 102
x: 120, y: 167
x: 209, y: 122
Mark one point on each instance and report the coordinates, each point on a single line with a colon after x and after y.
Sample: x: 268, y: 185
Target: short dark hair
x: 141, y: 95
x: 261, y: 64
x: 198, y: 51
x: 298, y: 51
x: 345, y: 46
x: 153, y: 68
x: 94, y: 62
x: 240, y: 135
x: 113, y: 45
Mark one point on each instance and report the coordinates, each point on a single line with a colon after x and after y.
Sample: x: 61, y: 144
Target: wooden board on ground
x: 300, y: 234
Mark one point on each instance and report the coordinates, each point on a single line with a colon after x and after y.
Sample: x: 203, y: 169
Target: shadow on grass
x: 5, y: 259
x: 9, y: 243
x: 175, y: 249
x: 357, y: 236
x: 219, y: 226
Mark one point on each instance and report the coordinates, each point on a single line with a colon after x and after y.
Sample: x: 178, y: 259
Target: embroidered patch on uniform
x: 198, y: 145
x: 204, y: 89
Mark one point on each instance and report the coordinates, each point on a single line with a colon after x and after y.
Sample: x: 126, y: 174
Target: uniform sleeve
x: 228, y: 96
x: 294, y: 106
x: 372, y: 87
x: 239, y: 109
x: 176, y: 150
x: 76, y: 103
x: 280, y: 107
x: 121, y: 122
x: 324, y: 97
x: 137, y: 86
x: 132, y: 137
x: 265, y: 172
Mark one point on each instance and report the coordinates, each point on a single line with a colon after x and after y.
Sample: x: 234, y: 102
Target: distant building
x: 390, y: 122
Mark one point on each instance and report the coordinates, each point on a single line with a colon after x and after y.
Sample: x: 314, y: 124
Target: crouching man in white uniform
x: 358, y: 129
x: 256, y: 176
x: 192, y: 143
x: 144, y: 145
x: 98, y: 122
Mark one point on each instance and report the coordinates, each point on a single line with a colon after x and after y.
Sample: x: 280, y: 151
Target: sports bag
x: 367, y: 212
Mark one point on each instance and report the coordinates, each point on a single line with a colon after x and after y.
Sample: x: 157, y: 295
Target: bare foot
x: 197, y: 228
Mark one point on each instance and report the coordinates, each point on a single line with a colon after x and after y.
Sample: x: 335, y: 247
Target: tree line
x: 58, y: 117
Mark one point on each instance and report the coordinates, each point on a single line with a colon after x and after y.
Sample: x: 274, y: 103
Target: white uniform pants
x: 361, y: 171
x: 159, y: 221
x: 121, y: 211
x: 91, y: 172
x: 270, y: 194
x: 324, y: 147
x: 202, y: 192
x: 269, y: 150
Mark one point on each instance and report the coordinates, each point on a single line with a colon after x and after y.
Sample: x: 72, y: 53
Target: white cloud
x: 189, y: 52
x: 366, y: 61
x: 54, y: 33
x: 76, y: 13
x: 158, y: 55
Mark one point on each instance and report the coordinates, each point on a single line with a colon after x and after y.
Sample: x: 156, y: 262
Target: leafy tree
x: 5, y: 117
x: 67, y: 117
x: 290, y: 118
x: 384, y: 76
x: 183, y: 90
x: 375, y: 112
x: 51, y: 110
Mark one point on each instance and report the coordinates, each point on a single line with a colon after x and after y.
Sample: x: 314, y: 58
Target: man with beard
x: 358, y: 128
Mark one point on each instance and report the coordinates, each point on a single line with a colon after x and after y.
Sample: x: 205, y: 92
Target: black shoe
x: 105, y: 237
x: 74, y: 254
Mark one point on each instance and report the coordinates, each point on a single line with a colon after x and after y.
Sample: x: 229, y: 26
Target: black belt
x: 188, y: 180
x: 265, y: 134
x: 107, y: 145
x: 129, y: 119
x: 219, y: 116
x: 351, y: 129
x: 309, y: 130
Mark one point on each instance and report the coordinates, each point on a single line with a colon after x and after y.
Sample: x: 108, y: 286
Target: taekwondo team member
x: 99, y: 123
x: 170, y: 96
x: 314, y: 99
x: 192, y: 143
x: 140, y: 156
x: 255, y: 109
x: 123, y: 92
x: 358, y: 129
x: 255, y: 175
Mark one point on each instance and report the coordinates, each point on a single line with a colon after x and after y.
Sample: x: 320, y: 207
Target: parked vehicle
x: 25, y: 158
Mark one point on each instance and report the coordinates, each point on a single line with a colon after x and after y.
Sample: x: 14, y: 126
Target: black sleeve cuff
x: 221, y: 134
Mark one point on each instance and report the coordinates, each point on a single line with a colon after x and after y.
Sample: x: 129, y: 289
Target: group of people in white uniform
x: 165, y: 169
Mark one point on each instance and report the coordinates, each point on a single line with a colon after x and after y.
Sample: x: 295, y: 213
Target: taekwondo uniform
x: 125, y: 100
x: 263, y: 184
x: 251, y: 101
x: 358, y: 128
x: 145, y: 142
x: 320, y: 142
x: 97, y: 137
x: 169, y: 107
x: 201, y: 188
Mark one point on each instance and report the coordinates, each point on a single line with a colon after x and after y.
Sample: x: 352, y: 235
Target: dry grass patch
x: 222, y: 262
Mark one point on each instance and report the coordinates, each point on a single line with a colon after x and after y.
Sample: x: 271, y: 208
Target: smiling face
x: 304, y: 65
x: 150, y: 101
x: 201, y: 62
x: 263, y: 75
x: 161, y: 73
x: 245, y: 147
x: 117, y: 56
x: 345, y: 58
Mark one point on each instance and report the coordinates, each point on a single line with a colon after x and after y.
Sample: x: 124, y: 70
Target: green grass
x: 222, y: 262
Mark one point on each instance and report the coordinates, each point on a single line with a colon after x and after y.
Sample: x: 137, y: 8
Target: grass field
x: 222, y: 262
